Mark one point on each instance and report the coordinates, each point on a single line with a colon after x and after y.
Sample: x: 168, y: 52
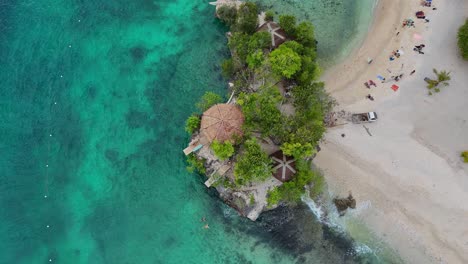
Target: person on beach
x: 412, y: 72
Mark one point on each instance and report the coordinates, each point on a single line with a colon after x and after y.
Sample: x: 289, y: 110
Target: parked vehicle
x: 364, y: 117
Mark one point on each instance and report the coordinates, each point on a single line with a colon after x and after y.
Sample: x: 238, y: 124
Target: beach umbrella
x: 222, y: 122
x: 395, y: 87
x: 284, y: 167
x: 420, y: 14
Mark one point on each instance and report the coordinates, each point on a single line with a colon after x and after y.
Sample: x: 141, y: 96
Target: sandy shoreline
x: 408, y: 170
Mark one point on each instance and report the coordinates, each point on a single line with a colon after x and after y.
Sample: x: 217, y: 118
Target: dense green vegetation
x: 285, y: 62
x: 464, y: 155
x: 192, y: 123
x: 260, y: 110
x: 208, y: 100
x: 463, y: 40
x: 195, y: 164
x: 269, y: 15
x: 252, y: 164
x: 222, y: 150
x: 292, y: 191
x: 260, y: 75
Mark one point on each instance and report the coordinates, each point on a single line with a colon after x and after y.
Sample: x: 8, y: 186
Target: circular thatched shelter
x: 221, y: 122
x: 284, y: 167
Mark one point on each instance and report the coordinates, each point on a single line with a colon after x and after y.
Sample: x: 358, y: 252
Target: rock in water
x: 342, y: 204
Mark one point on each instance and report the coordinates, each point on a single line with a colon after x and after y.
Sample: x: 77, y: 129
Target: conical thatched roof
x: 222, y: 122
x: 284, y: 167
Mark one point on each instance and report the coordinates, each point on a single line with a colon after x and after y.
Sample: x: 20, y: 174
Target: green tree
x: 285, y: 62
x: 255, y: 59
x: 253, y: 164
x: 305, y: 34
x: 227, y: 68
x: 208, y: 100
x: 298, y: 150
x: 195, y: 164
x: 259, y: 41
x: 222, y: 150
x: 227, y: 14
x: 239, y: 45
x: 463, y: 40
x: 260, y: 110
x: 247, y: 18
x: 269, y: 15
x: 192, y: 123
x: 288, y: 24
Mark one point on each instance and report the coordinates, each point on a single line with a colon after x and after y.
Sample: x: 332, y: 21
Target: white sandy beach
x: 410, y: 169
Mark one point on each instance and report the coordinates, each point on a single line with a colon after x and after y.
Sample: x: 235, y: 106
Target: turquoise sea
x: 93, y: 100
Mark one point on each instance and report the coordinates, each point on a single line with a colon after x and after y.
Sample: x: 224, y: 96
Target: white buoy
x: 69, y: 46
x: 79, y: 20
x: 45, y: 196
x: 50, y: 260
x: 61, y: 76
x: 50, y: 135
x: 55, y: 102
x: 48, y: 226
x: 47, y: 165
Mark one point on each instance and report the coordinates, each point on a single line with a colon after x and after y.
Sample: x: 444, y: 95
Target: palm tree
x: 442, y: 78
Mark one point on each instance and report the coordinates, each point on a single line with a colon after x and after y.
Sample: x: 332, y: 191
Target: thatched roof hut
x: 278, y: 36
x: 222, y: 122
x: 284, y: 167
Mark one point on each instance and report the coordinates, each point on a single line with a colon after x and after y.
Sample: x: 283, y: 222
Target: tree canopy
x: 253, y: 164
x: 260, y: 110
x: 208, y: 100
x: 227, y: 14
x: 288, y: 24
x: 284, y: 61
x: 463, y: 40
x: 222, y: 150
x: 247, y: 18
x: 192, y: 123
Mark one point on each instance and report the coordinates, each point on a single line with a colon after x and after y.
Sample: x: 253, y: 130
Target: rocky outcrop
x: 342, y: 204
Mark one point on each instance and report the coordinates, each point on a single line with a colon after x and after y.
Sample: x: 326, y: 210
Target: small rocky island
x: 256, y: 147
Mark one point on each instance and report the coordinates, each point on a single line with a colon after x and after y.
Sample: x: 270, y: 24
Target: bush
x: 260, y: 110
x: 247, y: 18
x: 255, y: 59
x: 195, y: 164
x: 305, y: 34
x: 222, y: 150
x: 288, y: 24
x: 298, y: 150
x: 464, y: 155
x: 293, y: 190
x: 208, y: 100
x: 463, y: 40
x: 253, y: 165
x: 192, y: 123
x: 285, y: 62
x: 227, y: 68
x: 269, y: 15
x: 227, y: 14
x: 259, y: 41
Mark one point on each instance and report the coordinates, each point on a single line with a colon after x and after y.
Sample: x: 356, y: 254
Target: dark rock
x: 342, y: 204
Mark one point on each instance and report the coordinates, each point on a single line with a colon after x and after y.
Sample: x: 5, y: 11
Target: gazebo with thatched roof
x: 222, y: 122
x: 284, y: 167
x: 278, y: 36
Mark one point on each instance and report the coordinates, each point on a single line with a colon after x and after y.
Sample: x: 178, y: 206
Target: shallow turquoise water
x: 93, y: 97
